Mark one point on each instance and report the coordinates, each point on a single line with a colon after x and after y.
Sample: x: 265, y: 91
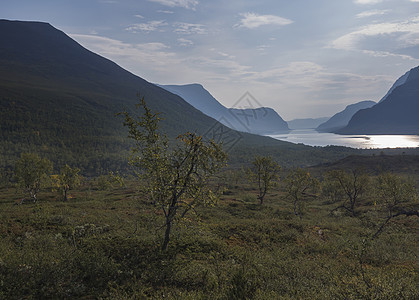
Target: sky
x: 303, y: 58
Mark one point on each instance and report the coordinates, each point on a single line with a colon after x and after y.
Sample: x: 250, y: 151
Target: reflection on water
x: 314, y: 138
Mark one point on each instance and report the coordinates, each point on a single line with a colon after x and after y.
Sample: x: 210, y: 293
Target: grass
x: 105, y: 244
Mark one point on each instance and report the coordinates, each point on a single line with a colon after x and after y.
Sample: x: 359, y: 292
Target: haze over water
x: 313, y: 138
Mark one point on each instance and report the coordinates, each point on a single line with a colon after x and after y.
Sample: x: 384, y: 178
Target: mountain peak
x: 396, y: 113
x: 262, y: 120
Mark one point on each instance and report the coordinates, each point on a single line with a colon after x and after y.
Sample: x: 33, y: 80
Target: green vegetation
x: 68, y: 178
x: 299, y: 186
x: 265, y: 172
x: 105, y: 241
x: 107, y: 244
x: 351, y: 184
x: 397, y: 197
x: 31, y: 173
x: 177, y: 179
x: 58, y: 100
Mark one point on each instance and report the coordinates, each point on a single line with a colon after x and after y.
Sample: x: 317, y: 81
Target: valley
x: 113, y: 187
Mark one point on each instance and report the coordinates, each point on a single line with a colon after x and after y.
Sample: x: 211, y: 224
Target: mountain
x: 309, y: 123
x: 399, y: 82
x: 198, y: 97
x: 262, y: 120
x: 59, y: 99
x: 341, y: 119
x: 396, y: 114
x: 36, y: 58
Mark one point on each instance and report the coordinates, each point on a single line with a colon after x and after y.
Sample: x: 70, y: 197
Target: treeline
x: 93, y: 141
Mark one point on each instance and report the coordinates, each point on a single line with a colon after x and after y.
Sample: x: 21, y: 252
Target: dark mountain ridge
x: 35, y: 55
x: 396, y: 114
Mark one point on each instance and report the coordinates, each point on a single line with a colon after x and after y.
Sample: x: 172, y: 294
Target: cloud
x: 184, y: 42
x: 262, y: 48
x: 367, y: 1
x: 222, y: 66
x: 314, y: 79
x: 189, y: 4
x: 384, y: 39
x: 147, y: 27
x: 161, y: 64
x: 188, y: 28
x: 108, y: 1
x: 370, y: 13
x: 227, y: 77
x: 324, y: 91
x: 252, y: 20
x: 165, y: 11
x: 130, y: 56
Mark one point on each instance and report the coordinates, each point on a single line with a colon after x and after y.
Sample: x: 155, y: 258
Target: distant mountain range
x: 260, y: 120
x: 341, y: 119
x: 308, y: 123
x: 396, y: 113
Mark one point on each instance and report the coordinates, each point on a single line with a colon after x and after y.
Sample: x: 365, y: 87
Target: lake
x: 313, y: 138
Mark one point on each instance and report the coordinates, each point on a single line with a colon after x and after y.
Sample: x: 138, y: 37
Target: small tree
x: 69, y: 178
x: 177, y: 178
x: 331, y: 191
x: 264, y: 171
x: 31, y: 171
x: 300, y: 185
x: 397, y: 197
x: 353, y: 185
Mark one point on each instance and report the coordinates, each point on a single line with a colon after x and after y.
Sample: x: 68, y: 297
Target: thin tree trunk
x: 167, y: 234
x: 295, y: 207
x: 260, y: 198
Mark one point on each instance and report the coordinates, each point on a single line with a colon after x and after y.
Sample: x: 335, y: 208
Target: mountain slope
x: 36, y: 56
x: 261, y: 120
x: 60, y: 99
x: 342, y: 118
x: 397, y: 114
x: 399, y: 82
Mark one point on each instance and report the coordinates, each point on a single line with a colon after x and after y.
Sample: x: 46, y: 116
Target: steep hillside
x: 342, y: 118
x: 397, y: 114
x: 399, y: 82
x: 59, y: 99
x: 262, y: 120
x: 37, y: 57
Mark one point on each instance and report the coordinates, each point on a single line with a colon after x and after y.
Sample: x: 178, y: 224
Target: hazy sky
x: 304, y: 58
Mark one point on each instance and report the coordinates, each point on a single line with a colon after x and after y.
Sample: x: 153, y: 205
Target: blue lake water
x: 313, y: 138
